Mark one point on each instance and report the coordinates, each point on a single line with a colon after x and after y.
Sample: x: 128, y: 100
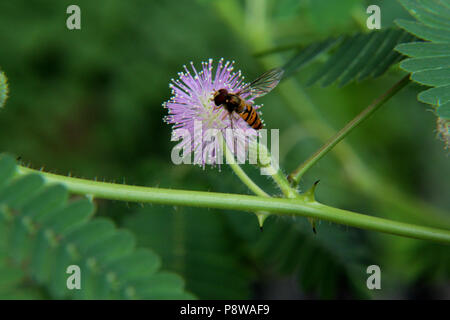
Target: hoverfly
x: 255, y: 89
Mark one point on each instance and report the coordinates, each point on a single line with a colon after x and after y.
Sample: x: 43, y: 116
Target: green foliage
x: 3, y: 89
x: 429, y: 62
x: 42, y: 233
x: 197, y: 245
x: 324, y: 265
x: 351, y: 58
x: 209, y: 248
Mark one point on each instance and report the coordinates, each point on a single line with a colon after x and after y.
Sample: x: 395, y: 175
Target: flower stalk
x: 296, y: 175
x: 261, y: 215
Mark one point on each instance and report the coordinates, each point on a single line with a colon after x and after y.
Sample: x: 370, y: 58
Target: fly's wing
x: 263, y: 84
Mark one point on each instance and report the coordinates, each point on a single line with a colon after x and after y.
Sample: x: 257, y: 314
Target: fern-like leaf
x: 429, y: 62
x: 351, y: 58
x: 42, y: 233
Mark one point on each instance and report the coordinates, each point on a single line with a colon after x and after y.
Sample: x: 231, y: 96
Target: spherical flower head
x: 192, y: 112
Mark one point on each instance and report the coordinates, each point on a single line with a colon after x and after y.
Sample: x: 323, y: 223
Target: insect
x: 233, y: 102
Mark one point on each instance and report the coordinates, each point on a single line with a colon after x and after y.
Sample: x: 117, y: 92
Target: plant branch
x: 296, y: 175
x: 247, y: 181
x: 228, y: 201
x: 261, y: 215
x: 241, y: 173
x: 267, y: 163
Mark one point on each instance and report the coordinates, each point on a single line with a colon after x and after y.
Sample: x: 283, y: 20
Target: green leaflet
x: 424, y: 49
x: 425, y: 32
x: 352, y: 58
x: 3, y: 89
x: 429, y: 62
x: 426, y: 63
x: 433, y: 77
x: 42, y: 233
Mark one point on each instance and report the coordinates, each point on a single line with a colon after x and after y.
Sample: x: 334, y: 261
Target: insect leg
x: 231, y: 122
x: 232, y: 135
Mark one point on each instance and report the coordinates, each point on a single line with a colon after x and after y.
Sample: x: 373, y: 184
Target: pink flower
x: 192, y: 111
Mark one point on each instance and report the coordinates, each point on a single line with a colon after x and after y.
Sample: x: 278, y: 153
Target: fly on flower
x: 233, y: 102
x: 217, y: 101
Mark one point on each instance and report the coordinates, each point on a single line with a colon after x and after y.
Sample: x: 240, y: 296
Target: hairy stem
x: 261, y: 215
x: 296, y: 175
x: 313, y: 209
x: 247, y: 181
x: 284, y: 185
x: 276, y: 174
x: 240, y: 173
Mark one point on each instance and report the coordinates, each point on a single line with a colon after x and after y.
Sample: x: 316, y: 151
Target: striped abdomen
x: 250, y: 115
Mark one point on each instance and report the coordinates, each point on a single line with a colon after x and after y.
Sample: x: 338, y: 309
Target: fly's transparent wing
x: 263, y: 84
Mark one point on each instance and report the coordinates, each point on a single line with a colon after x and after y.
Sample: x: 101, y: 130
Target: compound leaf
x: 351, y: 58
x: 429, y: 62
x: 42, y: 233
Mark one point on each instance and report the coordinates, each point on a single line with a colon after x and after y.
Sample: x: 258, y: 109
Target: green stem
x: 266, y: 162
x: 284, y: 185
x: 296, y: 175
x: 261, y: 215
x: 277, y: 175
x: 281, y: 180
x: 312, y: 209
x: 247, y: 181
x: 241, y: 174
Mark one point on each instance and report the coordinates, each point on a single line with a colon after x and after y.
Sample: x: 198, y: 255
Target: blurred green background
x: 88, y: 102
